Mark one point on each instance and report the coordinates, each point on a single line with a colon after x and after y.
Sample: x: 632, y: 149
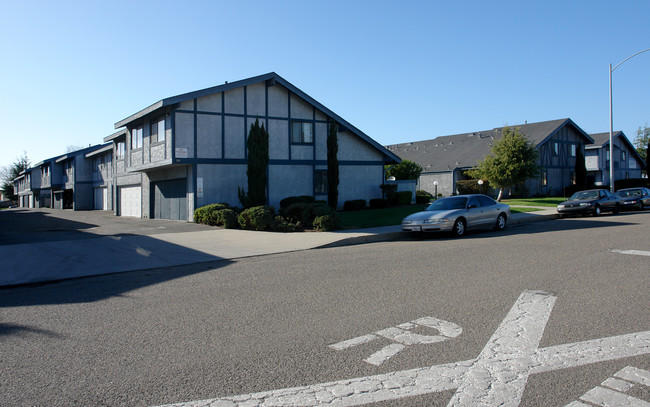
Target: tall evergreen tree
x: 258, y: 161
x: 580, y: 168
x: 332, y: 165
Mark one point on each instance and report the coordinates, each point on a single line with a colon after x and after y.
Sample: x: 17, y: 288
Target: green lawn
x: 371, y: 218
x: 550, y: 202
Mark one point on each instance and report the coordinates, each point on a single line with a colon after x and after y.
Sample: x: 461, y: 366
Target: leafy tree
x: 512, y: 160
x: 580, y: 168
x: 11, y: 172
x: 403, y: 171
x: 258, y: 160
x: 642, y: 143
x: 332, y: 165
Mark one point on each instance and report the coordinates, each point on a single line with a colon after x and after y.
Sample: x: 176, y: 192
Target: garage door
x: 101, y: 199
x: 170, y: 199
x: 131, y: 201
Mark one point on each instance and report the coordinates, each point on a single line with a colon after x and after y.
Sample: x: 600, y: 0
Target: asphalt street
x: 239, y: 327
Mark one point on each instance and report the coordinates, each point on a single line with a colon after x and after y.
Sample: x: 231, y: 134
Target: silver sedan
x: 457, y: 214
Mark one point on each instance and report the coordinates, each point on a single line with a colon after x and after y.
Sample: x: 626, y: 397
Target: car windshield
x: 584, y: 195
x: 629, y: 193
x: 446, y: 204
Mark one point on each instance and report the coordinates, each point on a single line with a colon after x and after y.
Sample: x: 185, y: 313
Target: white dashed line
x: 633, y: 252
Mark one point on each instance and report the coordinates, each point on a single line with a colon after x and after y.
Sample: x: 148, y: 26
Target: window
x: 120, y: 150
x: 623, y: 156
x: 544, y: 178
x: 158, y: 130
x: 486, y: 201
x: 320, y: 182
x: 302, y: 133
x: 136, y: 138
x: 573, y: 178
x: 556, y: 149
x: 607, y: 155
x: 573, y: 150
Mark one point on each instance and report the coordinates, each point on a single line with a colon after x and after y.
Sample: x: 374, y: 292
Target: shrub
x: 208, y: 214
x: 327, y: 222
x: 354, y: 205
x: 228, y: 218
x: 404, y: 197
x: 303, y: 212
x: 257, y: 218
x: 286, y: 202
x: 422, y: 197
x: 283, y: 224
x: 378, y: 203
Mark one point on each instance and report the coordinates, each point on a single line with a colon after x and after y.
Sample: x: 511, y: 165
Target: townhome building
x: 445, y: 159
x: 627, y: 161
x: 190, y: 150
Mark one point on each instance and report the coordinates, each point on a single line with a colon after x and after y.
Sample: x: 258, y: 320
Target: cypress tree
x: 580, y: 168
x: 258, y: 160
x: 332, y: 165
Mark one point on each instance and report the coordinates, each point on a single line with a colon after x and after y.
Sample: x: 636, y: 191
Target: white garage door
x: 131, y: 201
x: 101, y: 201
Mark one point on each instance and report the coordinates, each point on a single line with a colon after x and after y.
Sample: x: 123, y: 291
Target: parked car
x: 634, y: 198
x: 458, y: 214
x: 590, y: 202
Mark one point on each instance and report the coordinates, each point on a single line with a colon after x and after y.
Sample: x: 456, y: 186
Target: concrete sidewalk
x: 97, y: 255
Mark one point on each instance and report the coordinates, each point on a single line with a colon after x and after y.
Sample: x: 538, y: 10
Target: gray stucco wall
x: 446, y: 183
x: 220, y: 183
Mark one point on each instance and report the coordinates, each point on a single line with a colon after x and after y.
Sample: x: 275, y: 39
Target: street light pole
x: 611, y: 121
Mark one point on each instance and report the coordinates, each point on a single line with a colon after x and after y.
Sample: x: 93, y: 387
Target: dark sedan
x: 590, y: 202
x: 634, y: 198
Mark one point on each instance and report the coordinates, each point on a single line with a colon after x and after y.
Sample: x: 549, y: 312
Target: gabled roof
x: 79, y: 152
x: 601, y: 140
x: 271, y: 76
x: 466, y: 150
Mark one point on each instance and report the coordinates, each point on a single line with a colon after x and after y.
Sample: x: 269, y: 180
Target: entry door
x: 170, y: 199
x: 101, y: 201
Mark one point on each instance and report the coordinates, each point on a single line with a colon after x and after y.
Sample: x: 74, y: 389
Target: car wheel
x: 597, y: 211
x: 501, y: 222
x: 459, y: 228
x: 640, y: 205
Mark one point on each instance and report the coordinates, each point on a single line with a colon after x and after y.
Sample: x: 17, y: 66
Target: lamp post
x: 480, y: 186
x: 435, y: 189
x: 611, y: 121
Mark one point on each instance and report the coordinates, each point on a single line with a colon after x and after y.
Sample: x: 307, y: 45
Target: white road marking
x: 498, y: 376
x: 449, y: 376
x: 384, y: 354
x: 614, y: 396
x: 634, y: 252
x: 618, y: 385
x: 402, y: 336
x: 610, y: 398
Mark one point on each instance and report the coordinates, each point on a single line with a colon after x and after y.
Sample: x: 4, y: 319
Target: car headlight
x: 561, y: 206
x: 407, y: 222
x: 585, y: 204
x: 436, y: 220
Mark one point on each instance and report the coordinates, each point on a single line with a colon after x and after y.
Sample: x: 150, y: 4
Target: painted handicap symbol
x: 402, y: 335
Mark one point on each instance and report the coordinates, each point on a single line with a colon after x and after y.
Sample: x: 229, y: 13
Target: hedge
x: 404, y: 197
x: 471, y: 186
x: 286, y: 202
x: 211, y: 214
x: 422, y: 197
x: 354, y: 205
x: 257, y: 218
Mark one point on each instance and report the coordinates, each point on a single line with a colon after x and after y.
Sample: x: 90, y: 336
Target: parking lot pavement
x: 41, y: 245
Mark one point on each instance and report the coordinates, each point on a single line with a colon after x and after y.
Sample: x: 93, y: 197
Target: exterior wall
x: 557, y: 162
x: 446, y: 182
x: 598, y: 164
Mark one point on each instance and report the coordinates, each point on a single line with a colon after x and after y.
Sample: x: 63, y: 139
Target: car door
x: 646, y: 196
x: 475, y: 214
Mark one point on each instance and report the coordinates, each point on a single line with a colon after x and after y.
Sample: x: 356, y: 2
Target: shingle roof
x: 271, y: 76
x: 465, y: 150
x: 602, y: 139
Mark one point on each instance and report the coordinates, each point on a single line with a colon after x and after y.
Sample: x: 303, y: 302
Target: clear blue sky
x: 399, y: 71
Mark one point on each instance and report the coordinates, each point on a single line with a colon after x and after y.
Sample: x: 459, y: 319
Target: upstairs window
x: 573, y: 150
x: 136, y: 138
x: 120, y: 150
x: 544, y: 178
x: 556, y: 149
x: 302, y: 133
x: 158, y: 130
x: 623, y: 156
